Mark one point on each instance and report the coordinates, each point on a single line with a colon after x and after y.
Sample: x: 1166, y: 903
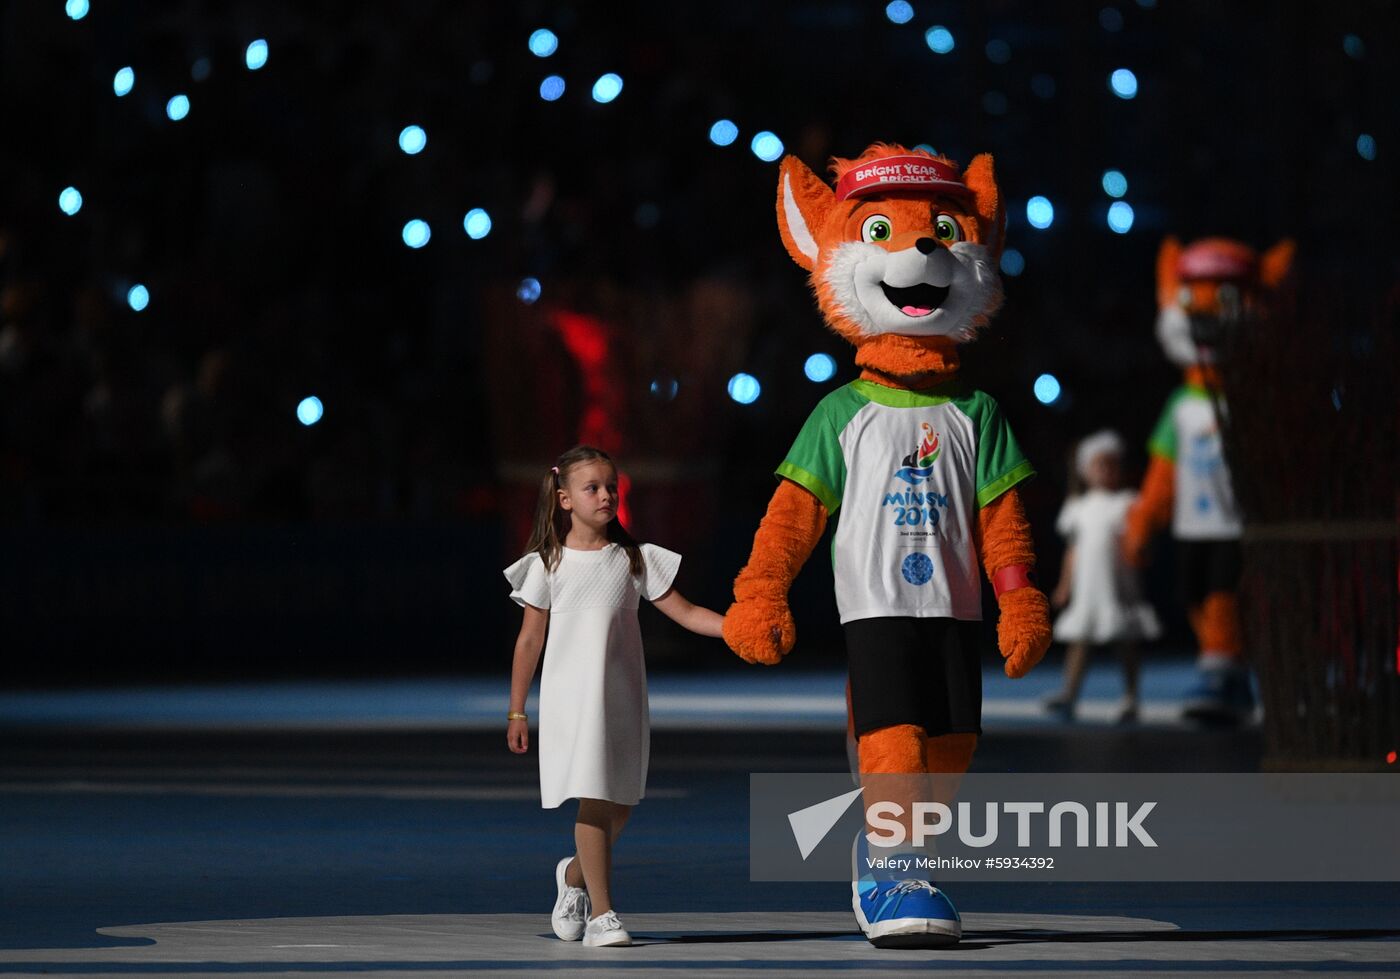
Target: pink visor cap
x: 901, y: 173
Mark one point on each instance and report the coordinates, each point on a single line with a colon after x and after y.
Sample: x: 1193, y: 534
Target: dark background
x: 164, y: 515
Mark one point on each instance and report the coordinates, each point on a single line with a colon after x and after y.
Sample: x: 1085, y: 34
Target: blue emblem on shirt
x: 917, y: 569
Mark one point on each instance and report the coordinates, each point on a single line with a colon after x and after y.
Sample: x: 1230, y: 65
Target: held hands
x: 760, y: 630
x: 1134, y: 547
x: 518, y: 735
x: 1023, y: 631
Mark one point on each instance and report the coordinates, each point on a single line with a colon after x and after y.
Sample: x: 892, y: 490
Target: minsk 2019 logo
x: 918, y: 465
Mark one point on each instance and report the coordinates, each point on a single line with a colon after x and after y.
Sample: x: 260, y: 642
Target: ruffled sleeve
x: 529, y: 581
x: 1067, y: 524
x: 659, y: 567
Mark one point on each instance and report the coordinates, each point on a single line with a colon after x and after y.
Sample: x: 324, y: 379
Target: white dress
x: 594, y: 725
x: 1105, y: 603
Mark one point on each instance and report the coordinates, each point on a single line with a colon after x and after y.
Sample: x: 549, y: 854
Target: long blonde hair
x: 552, y: 520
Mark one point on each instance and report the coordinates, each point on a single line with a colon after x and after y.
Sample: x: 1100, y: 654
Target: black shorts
x: 915, y: 671
x: 1205, y: 566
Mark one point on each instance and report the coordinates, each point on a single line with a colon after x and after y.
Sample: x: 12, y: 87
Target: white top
x: 594, y: 726
x: 1105, y: 603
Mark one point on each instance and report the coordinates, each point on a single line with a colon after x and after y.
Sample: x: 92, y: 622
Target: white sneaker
x: 571, y: 907
x: 605, y: 929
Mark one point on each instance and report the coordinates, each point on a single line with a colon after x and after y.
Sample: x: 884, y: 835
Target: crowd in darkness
x: 266, y: 225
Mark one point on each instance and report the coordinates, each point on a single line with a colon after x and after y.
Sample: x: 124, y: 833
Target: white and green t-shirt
x: 1188, y: 435
x: 907, y: 472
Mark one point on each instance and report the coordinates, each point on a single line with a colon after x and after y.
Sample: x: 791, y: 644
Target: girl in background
x: 1098, y: 590
x: 580, y: 581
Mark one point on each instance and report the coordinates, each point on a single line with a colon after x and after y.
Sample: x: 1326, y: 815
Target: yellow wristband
x: 515, y: 715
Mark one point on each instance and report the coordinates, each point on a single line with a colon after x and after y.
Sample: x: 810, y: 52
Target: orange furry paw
x: 1023, y: 631
x: 760, y: 630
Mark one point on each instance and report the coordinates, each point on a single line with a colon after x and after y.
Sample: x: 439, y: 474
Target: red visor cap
x: 920, y: 173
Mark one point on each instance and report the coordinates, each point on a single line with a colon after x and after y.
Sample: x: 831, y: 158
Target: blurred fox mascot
x: 903, y: 259
x: 1204, y: 291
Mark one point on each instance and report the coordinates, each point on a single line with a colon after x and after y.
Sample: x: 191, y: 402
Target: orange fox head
x: 1211, y: 286
x: 902, y: 254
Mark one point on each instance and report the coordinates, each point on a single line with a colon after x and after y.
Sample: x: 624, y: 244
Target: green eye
x: 947, y: 229
x: 876, y: 228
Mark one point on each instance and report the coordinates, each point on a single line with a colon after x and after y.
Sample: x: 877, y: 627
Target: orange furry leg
x: 1219, y: 630
x: 892, y: 767
x: 949, y: 757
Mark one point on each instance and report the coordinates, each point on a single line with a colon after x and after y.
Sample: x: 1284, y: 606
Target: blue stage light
x: 528, y: 292
x: 1120, y: 217
x: 723, y: 133
x: 416, y: 233
x: 1124, y: 83
x: 1354, y: 47
x: 123, y: 81
x: 1013, y: 262
x: 552, y: 88
x: 665, y: 388
x: 995, y: 104
x: 138, y: 297
x: 1111, y: 20
x: 1040, y: 212
x: 477, y: 223
x: 607, y: 88
x: 310, y: 410
x: 1047, y: 389
x: 76, y: 9
x: 256, y: 55
x: 1043, y: 86
x: 178, y: 107
x: 899, y: 12
x: 543, y: 43
x: 1114, y: 183
x: 939, y: 40
x: 998, y: 51
x: 766, y: 146
x: 70, y: 202
x: 199, y: 71
x: 926, y: 148
x: 744, y: 388
x: 819, y: 368
x: 412, y: 140
x: 1366, y: 146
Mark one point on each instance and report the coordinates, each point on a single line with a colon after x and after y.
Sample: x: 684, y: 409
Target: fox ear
x: 1167, y: 277
x: 981, y: 178
x: 804, y: 200
x: 1276, y: 265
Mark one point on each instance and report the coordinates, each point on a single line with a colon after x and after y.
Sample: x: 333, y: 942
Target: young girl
x: 1100, y: 590
x: 581, y: 577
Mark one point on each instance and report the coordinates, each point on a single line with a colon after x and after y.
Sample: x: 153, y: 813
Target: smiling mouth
x: 919, y: 300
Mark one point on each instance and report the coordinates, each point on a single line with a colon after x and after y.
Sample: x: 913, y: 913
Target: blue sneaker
x: 909, y: 913
x: 1220, y: 698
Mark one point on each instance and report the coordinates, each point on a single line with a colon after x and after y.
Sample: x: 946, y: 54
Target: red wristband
x: 1012, y: 577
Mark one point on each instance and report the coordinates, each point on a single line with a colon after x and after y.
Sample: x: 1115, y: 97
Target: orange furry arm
x: 759, y: 625
x: 1004, y: 542
x: 1153, y: 509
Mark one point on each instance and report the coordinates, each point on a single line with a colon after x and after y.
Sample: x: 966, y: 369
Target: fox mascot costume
x: 1204, y: 290
x: 903, y: 259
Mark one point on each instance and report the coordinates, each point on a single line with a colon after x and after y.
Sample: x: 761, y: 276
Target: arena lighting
x: 123, y: 81
x: 899, y: 12
x: 412, y: 139
x: 665, y: 388
x: 744, y: 388
x: 70, y: 202
x: 543, y: 43
x: 1354, y: 47
x: 723, y: 133
x: 138, y: 297
x: 416, y: 233
x: 199, y: 71
x: 528, y: 292
x: 1047, y: 389
x: 1366, y: 146
x: 998, y: 51
x: 1013, y: 262
x: 1120, y: 217
x: 766, y: 146
x: 178, y: 107
x: 607, y: 88
x: 256, y: 55
x: 1114, y: 183
x: 1124, y: 83
x: 939, y: 39
x: 1111, y: 20
x: 1043, y: 86
x: 552, y: 88
x: 310, y: 410
x: 76, y: 9
x: 1040, y: 212
x: 477, y: 224
x: 819, y: 368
